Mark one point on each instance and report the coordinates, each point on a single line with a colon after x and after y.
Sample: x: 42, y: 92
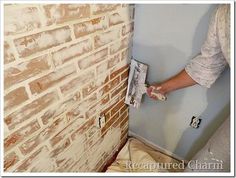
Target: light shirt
x: 215, y: 52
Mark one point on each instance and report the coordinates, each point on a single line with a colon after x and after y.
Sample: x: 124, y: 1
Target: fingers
x: 149, y: 92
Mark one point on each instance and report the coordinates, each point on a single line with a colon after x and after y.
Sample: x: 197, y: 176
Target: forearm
x: 181, y: 80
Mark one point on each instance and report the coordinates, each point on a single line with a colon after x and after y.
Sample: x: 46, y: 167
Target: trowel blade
x: 136, y: 83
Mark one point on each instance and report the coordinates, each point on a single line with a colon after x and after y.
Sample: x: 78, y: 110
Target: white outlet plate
x: 195, y: 122
x: 101, y: 121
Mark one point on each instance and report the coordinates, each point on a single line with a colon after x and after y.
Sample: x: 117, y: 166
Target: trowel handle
x: 156, y: 93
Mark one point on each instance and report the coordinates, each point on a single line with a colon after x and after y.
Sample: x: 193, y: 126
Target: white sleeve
x: 209, y: 64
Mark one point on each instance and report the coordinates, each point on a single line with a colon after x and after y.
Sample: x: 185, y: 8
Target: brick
x: 124, y: 138
x: 124, y: 132
x: 38, y: 42
x: 88, y: 89
x: 64, y: 164
x: 91, y: 111
x: 10, y: 160
x: 123, y: 93
x: 79, y: 166
x: 75, y: 152
x: 20, y: 19
x: 84, y: 128
x: 14, y: 98
x: 124, y: 121
x: 105, y: 100
x: 114, y: 61
x: 97, y: 107
x: 77, y: 82
x: 65, y: 144
x: 68, y: 130
x: 30, y: 144
x: 124, y: 129
x: 30, y: 110
x: 119, y: 89
x: 125, y: 54
x: 92, y: 136
x: 120, y: 16
x: 124, y: 108
x: 60, y: 13
x: 89, y: 27
x: 51, y: 79
x: 78, y: 109
x: 117, y: 107
x: 112, y: 84
x: 38, y: 157
x: 119, y: 65
x: 61, y: 108
x: 20, y: 135
x: 106, y: 65
x: 94, y: 85
x: 25, y: 70
x: 69, y: 123
x: 123, y: 115
x: 106, y: 37
x: 93, y: 149
x: 116, y: 123
x: 118, y: 72
x: 93, y: 59
x: 125, y: 74
x: 102, y: 161
x: 91, y: 140
x: 68, y: 53
x: 129, y: 28
x: 106, y: 113
x: 124, y: 43
x: 8, y: 53
x: 102, y: 8
x: 102, y: 68
x: 109, y: 123
x: 74, y: 114
x: 91, y: 131
x: 49, y: 115
x: 65, y: 167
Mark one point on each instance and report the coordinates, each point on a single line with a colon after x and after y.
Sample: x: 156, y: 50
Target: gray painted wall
x: 165, y: 38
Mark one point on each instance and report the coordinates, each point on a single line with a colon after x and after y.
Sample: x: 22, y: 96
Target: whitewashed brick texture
x: 65, y: 65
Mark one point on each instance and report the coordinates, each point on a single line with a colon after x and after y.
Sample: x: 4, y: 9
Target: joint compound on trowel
x: 136, y: 84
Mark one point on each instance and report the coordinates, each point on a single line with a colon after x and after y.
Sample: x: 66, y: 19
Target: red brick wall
x: 65, y: 65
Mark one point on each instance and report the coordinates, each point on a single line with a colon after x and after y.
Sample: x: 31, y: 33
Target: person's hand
x: 159, y: 91
x: 155, y: 91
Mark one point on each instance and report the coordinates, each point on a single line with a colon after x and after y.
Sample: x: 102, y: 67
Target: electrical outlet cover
x: 195, y: 122
x: 101, y: 121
